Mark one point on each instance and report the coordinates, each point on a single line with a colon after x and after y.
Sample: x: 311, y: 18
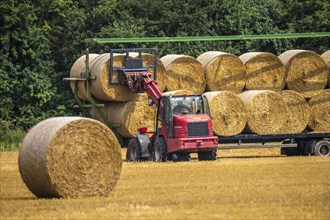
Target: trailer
x: 305, y: 144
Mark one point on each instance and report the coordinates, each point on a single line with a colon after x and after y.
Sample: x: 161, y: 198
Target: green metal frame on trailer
x: 87, y: 76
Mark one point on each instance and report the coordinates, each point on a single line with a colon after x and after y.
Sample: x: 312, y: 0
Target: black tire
x: 177, y: 157
x: 160, y: 150
x: 207, y: 155
x: 133, y: 151
x: 322, y: 148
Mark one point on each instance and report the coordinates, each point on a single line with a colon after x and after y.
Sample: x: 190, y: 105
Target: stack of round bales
x: 306, y: 71
x: 228, y: 112
x: 326, y: 57
x: 264, y: 71
x: 184, y: 72
x: 266, y: 111
x: 320, y: 111
x: 70, y: 157
x: 223, y: 71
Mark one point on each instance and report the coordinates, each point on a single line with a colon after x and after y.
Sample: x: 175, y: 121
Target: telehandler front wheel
x: 160, y: 150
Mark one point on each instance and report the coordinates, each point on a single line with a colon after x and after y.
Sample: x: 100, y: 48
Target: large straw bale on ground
x: 148, y: 59
x: 70, y: 157
x: 326, y: 57
x: 78, y: 68
x: 223, y: 71
x: 306, y: 71
x: 320, y: 111
x: 101, y: 87
x: 298, y: 112
x: 266, y: 111
x: 184, y: 72
x: 264, y: 71
x: 228, y: 112
x: 132, y: 115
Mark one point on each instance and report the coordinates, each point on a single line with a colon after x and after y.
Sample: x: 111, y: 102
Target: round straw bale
x: 184, y: 72
x: 78, y: 68
x: 132, y: 115
x: 320, y: 111
x: 70, y: 157
x: 228, y: 112
x: 101, y: 87
x: 326, y: 57
x: 306, y: 71
x: 264, y: 71
x: 178, y: 92
x: 148, y: 59
x: 298, y: 112
x: 223, y: 71
x: 266, y: 111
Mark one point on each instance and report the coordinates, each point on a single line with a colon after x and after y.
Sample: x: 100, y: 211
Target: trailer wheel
x: 176, y: 157
x: 133, y: 153
x: 322, y: 148
x: 160, y: 150
x: 207, y: 155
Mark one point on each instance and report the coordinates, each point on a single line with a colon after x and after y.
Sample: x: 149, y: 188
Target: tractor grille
x: 198, y: 129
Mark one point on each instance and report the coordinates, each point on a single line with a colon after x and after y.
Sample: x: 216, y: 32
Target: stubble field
x: 241, y: 184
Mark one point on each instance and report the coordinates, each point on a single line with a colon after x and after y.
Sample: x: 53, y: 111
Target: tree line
x: 41, y: 39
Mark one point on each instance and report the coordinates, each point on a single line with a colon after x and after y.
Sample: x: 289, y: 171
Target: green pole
x: 208, y: 38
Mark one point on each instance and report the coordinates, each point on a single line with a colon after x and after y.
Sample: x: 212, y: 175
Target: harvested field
x: 241, y: 184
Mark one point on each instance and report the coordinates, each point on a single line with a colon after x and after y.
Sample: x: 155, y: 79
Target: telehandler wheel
x: 176, y: 157
x: 133, y: 151
x: 207, y: 155
x: 322, y: 148
x: 160, y: 150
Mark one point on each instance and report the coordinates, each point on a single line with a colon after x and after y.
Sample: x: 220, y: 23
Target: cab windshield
x: 187, y: 105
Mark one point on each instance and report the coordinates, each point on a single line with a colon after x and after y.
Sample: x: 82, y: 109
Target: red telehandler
x: 183, y: 124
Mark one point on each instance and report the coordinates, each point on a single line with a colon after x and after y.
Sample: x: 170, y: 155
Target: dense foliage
x: 41, y: 39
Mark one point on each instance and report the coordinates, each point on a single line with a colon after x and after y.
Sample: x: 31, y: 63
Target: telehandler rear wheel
x: 133, y: 153
x: 207, y: 155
